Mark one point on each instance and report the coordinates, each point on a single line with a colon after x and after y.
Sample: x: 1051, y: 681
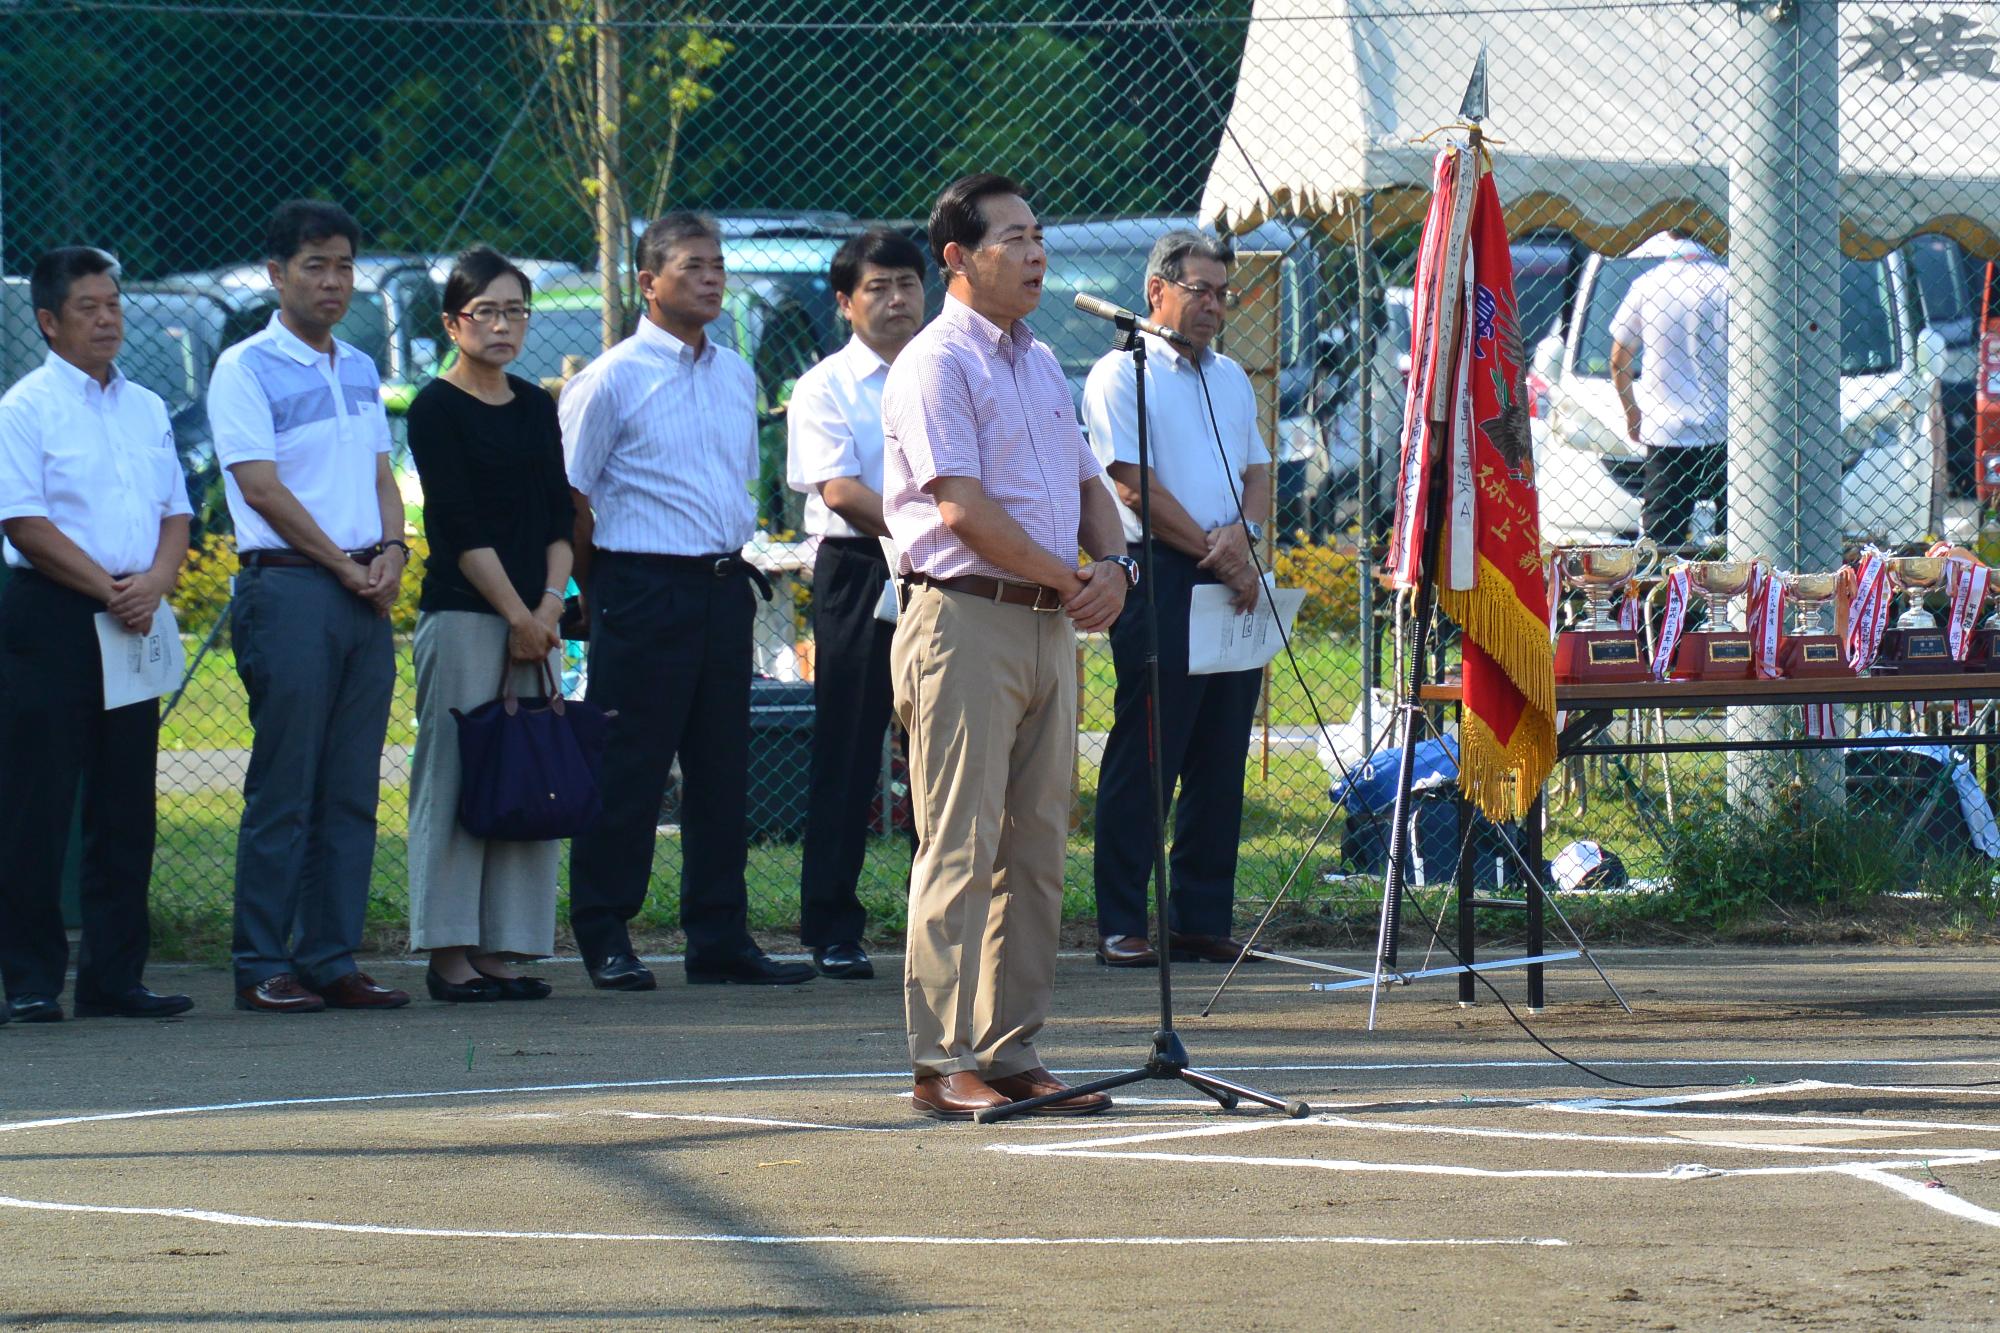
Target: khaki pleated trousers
x: 987, y: 693
x: 495, y: 897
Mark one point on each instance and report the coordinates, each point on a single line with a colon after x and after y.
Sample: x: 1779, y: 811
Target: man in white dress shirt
x: 660, y: 434
x: 95, y: 511
x: 1676, y: 315
x: 1207, y: 503
x: 300, y: 431
x: 835, y: 427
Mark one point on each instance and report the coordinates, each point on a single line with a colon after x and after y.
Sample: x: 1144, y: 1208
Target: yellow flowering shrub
x: 203, y: 590
x: 1330, y: 577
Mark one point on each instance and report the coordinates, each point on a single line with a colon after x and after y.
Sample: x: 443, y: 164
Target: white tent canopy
x: 1607, y: 122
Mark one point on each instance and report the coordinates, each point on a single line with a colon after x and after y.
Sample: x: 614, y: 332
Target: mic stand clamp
x: 1168, y: 1058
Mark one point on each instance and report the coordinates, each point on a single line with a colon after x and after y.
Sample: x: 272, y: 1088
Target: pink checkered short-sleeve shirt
x: 968, y: 399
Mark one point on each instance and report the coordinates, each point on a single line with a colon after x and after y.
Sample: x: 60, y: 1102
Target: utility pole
x: 610, y: 196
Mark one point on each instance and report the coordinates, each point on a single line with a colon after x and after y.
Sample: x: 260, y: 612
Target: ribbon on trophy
x: 1552, y: 571
x: 1631, y: 609
x: 1867, y: 613
x: 1767, y: 621
x: 1970, y: 581
x: 1671, y: 622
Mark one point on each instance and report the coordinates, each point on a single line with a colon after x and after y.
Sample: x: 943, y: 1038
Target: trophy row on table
x: 1644, y: 638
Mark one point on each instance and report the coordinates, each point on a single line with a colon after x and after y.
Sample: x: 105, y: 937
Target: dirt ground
x: 725, y: 1156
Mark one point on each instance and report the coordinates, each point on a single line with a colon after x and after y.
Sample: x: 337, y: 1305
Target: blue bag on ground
x: 529, y: 767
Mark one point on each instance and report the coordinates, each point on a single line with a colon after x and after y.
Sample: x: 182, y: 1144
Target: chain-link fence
x: 1800, y: 146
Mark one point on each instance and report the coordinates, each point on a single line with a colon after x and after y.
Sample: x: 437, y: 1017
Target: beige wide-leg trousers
x: 987, y: 693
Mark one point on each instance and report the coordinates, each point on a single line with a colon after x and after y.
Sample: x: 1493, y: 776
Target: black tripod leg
x: 993, y: 1114
x: 1218, y: 1088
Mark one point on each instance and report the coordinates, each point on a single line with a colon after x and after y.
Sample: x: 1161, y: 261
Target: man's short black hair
x: 57, y: 271
x: 474, y: 271
x: 956, y: 215
x: 881, y: 247
x: 668, y: 230
x: 297, y: 223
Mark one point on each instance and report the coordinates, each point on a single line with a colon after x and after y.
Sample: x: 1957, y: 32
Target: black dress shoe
x: 844, y: 962
x: 746, y: 969
x: 475, y: 991
x: 621, y: 971
x: 520, y: 988
x: 135, y: 1003
x: 34, y: 1009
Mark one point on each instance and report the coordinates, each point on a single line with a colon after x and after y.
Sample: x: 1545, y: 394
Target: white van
x: 1891, y: 441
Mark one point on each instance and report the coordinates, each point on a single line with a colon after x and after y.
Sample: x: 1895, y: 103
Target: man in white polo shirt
x: 298, y: 424
x: 96, y: 515
x: 835, y: 427
x: 1207, y: 502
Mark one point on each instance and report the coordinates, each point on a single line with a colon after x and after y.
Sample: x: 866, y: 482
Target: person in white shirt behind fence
x: 95, y: 510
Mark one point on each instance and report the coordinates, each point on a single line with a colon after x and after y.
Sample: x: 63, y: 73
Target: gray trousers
x: 496, y: 897
x: 320, y: 668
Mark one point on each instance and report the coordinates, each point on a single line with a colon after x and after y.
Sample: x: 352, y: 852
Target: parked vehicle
x: 1891, y: 446
x: 1948, y: 303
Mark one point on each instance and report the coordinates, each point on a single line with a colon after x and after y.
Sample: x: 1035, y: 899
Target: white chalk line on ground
x: 730, y: 1238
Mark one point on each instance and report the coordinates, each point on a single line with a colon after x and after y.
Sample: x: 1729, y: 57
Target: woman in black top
x: 498, y: 514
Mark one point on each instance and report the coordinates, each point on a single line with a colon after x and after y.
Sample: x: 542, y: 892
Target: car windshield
x: 1867, y: 316
x: 365, y: 327
x: 570, y: 323
x: 1118, y: 275
x: 165, y: 349
x: 1941, y: 282
x: 1539, y: 293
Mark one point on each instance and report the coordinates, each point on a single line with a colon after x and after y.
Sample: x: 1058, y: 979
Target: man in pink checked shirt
x: 988, y: 491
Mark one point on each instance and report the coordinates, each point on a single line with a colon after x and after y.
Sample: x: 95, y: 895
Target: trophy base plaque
x: 1600, y: 656
x: 1916, y: 652
x: 1714, y: 655
x: 1984, y: 655
x: 1802, y: 656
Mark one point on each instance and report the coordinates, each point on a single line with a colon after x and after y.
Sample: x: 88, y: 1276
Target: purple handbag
x: 529, y: 767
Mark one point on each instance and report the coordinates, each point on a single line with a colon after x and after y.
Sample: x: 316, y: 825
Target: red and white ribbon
x: 1819, y: 720
x: 1867, y: 614
x: 1631, y: 608
x: 1670, y: 622
x: 1767, y: 620
x: 1968, y: 599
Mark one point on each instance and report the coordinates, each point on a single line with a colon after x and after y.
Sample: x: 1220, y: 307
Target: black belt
x: 281, y: 559
x: 1034, y: 596
x: 729, y: 565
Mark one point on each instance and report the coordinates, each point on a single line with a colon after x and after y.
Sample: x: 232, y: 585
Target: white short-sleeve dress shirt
x: 664, y: 442
x: 273, y: 398
x: 1677, y: 314
x: 834, y: 429
x: 1186, y: 462
x: 96, y: 461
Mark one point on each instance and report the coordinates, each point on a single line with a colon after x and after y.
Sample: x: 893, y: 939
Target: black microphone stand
x: 1169, y: 1057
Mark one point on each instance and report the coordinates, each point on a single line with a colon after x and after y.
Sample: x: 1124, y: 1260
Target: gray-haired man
x: 1209, y: 495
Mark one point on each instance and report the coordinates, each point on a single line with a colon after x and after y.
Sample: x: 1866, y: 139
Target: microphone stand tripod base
x: 1169, y: 1060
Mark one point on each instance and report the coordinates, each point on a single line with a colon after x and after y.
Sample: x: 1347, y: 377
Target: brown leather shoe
x: 357, y: 990
x: 953, y: 1096
x: 1126, y: 951
x: 1039, y: 1082
x: 1205, y: 949
x: 281, y: 994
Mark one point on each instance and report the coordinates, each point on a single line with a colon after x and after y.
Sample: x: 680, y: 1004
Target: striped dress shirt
x: 663, y: 439
x: 969, y: 399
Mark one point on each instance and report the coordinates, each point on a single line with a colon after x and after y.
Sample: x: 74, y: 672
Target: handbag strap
x: 510, y: 701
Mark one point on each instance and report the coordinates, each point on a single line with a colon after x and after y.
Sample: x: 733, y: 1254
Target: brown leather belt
x: 1034, y: 596
x: 294, y: 560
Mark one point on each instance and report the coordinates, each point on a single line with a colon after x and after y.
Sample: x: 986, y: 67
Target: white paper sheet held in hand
x: 140, y: 666
x: 1221, y: 638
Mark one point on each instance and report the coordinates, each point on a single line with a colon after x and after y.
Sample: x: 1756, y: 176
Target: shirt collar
x: 989, y: 334
x: 1175, y: 356
x: 863, y: 362
x: 667, y: 344
x: 296, y: 347
x: 77, y: 380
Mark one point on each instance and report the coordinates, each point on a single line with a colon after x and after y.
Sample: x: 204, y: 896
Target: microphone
x: 1117, y: 314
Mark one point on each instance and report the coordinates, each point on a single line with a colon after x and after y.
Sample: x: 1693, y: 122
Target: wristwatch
x: 1256, y: 530
x: 1129, y: 565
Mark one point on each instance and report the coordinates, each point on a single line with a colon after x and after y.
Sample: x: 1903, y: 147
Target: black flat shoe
x: 520, y: 988
x: 621, y: 971
x: 746, y: 969
x: 476, y: 991
x: 844, y: 962
x: 34, y: 1009
x: 135, y: 1003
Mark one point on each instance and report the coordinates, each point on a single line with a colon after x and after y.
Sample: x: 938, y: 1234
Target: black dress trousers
x: 670, y: 650
x: 1205, y: 734
x: 56, y: 738
x: 852, y: 700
